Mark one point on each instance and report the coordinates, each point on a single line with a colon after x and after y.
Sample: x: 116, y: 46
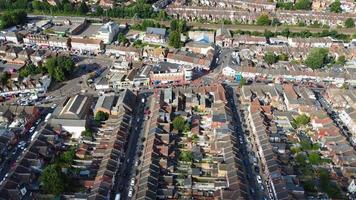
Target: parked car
x: 132, y: 183
x: 130, y: 193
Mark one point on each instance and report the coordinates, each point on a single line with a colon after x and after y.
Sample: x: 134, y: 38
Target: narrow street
x: 237, y: 121
x: 131, y: 161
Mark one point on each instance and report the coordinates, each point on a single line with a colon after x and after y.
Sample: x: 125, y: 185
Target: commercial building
x: 107, y: 32
x: 72, y: 114
x: 91, y: 45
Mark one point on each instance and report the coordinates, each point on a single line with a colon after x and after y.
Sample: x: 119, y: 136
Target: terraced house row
x: 202, y: 162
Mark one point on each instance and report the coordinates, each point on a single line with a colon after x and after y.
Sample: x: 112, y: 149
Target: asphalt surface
x: 334, y: 116
x: 129, y: 167
x: 242, y: 145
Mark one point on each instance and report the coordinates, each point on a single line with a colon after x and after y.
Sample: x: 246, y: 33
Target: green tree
x: 5, y: 76
x: 83, y: 8
x: 101, y: 116
x: 314, y: 158
x: 122, y: 39
x: 336, y: 7
x: 270, y: 58
x: 67, y: 157
x: 12, y: 18
x: 327, y: 186
x: 317, y: 58
x: 99, y: 11
x: 59, y: 67
x: 349, y: 23
x: 303, y: 5
x: 174, y: 25
x: 341, y: 60
x: 186, y: 156
x: 87, y: 133
x: 283, y: 57
x: 52, y: 180
x: 242, y: 82
x: 174, y: 39
x: 300, y: 159
x: 285, y: 32
x: 263, y: 20
x: 179, y: 123
x: 300, y: 120
x: 275, y: 22
x: 162, y: 15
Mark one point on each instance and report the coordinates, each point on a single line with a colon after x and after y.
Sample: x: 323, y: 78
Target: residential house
x: 155, y: 35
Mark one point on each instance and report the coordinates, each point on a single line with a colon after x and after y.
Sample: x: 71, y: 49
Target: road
x: 233, y: 27
x: 77, y: 82
x: 134, y: 150
x: 240, y: 132
x: 334, y: 116
x: 15, y: 153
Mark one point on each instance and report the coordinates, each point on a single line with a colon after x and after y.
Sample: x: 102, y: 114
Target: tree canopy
x: 263, y: 20
x: 336, y: 7
x: 12, y: 18
x: 52, y: 179
x: 317, y: 58
x: 303, y: 5
x: 30, y: 69
x: 300, y: 120
x: 174, y: 39
x: 186, y: 156
x: 178, y: 25
x: 60, y: 67
x: 349, y: 23
x: 270, y: 58
x: 101, y: 116
x: 179, y: 123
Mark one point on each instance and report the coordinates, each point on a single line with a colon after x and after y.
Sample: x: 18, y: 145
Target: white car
x: 259, y: 179
x: 132, y: 183
x: 32, y: 129
x: 130, y: 193
x: 54, y: 106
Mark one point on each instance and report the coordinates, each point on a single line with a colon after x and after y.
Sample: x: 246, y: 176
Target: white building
x: 107, y: 32
x: 228, y: 71
x: 92, y: 45
x: 11, y: 37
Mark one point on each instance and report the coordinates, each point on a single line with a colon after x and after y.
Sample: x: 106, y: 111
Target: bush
x: 263, y: 20
x: 349, y: 23
x: 101, y: 116
x: 179, y: 123
x: 270, y: 58
x: 186, y: 156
